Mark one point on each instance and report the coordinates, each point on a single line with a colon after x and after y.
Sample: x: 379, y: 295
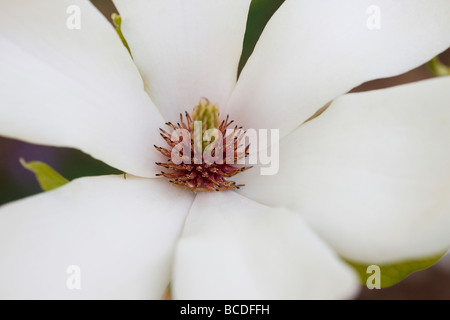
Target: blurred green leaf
x: 438, y: 68
x: 117, y: 20
x: 47, y: 177
x: 260, y: 13
x: 391, y: 274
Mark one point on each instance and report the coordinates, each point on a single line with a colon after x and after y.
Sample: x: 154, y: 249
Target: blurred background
x: 17, y: 183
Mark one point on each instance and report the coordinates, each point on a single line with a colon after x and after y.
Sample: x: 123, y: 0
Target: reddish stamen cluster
x: 196, y: 174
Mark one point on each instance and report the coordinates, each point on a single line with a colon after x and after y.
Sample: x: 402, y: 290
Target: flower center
x: 203, y: 151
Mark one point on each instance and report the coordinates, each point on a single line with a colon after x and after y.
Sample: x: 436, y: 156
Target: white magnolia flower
x: 368, y: 180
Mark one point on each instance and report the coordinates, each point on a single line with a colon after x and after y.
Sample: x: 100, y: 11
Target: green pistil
x: 117, y: 20
x: 208, y: 114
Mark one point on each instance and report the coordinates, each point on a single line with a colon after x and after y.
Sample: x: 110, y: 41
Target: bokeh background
x: 17, y: 183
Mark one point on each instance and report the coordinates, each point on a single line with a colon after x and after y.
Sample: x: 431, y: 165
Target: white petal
x: 73, y: 87
x: 235, y: 248
x: 371, y: 174
x: 120, y: 233
x: 314, y: 51
x: 185, y: 50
